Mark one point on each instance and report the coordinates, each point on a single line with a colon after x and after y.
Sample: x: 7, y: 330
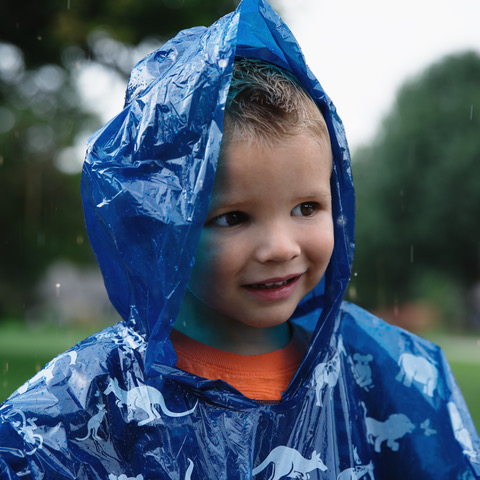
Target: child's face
x: 268, y: 237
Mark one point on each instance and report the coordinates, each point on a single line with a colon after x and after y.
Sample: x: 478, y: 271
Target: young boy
x: 267, y: 239
x: 267, y: 373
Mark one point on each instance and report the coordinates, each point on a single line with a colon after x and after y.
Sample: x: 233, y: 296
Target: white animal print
x: 357, y: 473
x: 47, y: 373
x: 362, y: 372
x: 94, y: 424
x: 461, y: 433
x: 124, y: 477
x: 188, y: 473
x: 288, y: 462
x: 326, y: 375
x: 418, y: 369
x: 427, y: 429
x: 26, y: 428
x: 143, y: 397
x: 395, y: 427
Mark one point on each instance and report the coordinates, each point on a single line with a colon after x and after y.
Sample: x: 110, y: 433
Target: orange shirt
x: 261, y: 377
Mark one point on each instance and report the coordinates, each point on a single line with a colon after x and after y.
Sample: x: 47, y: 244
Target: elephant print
x: 418, y: 369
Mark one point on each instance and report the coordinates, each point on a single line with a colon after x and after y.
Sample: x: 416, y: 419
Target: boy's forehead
x: 241, y: 161
x: 230, y: 158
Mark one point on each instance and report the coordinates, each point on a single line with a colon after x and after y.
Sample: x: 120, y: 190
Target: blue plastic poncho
x: 369, y: 401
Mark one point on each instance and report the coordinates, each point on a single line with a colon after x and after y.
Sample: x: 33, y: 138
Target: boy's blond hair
x: 266, y: 103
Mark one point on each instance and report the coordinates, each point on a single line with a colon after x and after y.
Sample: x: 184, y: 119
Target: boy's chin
x: 267, y: 321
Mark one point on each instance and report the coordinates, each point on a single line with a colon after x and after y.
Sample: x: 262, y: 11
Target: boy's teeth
x: 270, y: 285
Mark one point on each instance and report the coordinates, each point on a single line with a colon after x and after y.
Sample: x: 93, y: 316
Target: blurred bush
x: 418, y: 196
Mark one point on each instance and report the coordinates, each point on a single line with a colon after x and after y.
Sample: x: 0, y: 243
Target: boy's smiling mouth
x: 282, y: 283
x: 275, y: 288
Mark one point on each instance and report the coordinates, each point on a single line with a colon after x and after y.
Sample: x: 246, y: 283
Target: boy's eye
x: 229, y: 219
x: 306, y: 209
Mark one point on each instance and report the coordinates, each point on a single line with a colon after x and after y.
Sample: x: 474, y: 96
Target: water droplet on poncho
x: 341, y: 221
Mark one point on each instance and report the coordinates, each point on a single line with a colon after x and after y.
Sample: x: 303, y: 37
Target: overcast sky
x: 363, y: 50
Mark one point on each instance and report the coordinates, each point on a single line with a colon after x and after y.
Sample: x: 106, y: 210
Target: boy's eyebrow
x: 322, y: 192
x: 226, y: 201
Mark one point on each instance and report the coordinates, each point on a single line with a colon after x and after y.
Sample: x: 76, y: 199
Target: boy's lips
x: 274, y: 288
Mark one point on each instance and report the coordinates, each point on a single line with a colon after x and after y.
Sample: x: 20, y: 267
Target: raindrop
x: 57, y: 290
x: 341, y: 221
x: 471, y: 111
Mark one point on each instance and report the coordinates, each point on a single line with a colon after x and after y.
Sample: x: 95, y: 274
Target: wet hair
x: 265, y: 103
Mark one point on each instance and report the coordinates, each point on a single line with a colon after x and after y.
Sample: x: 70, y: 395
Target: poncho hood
x: 149, y: 173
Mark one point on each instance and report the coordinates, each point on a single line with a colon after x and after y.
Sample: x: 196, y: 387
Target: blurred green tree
x: 43, y: 47
x: 418, y: 195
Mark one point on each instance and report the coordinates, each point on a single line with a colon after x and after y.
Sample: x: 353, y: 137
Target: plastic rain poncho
x: 369, y: 401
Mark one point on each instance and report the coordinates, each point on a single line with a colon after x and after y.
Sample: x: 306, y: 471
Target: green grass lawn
x: 24, y: 351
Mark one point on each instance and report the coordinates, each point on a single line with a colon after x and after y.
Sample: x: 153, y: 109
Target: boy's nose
x: 277, y: 244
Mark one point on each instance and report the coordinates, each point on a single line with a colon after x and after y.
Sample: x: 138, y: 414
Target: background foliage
x: 418, y: 194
